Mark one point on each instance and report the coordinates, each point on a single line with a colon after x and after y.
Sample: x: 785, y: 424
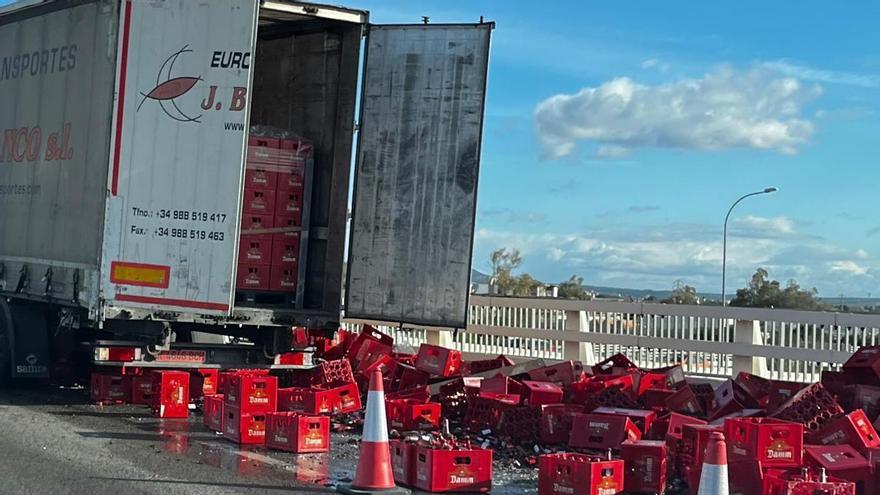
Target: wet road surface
x: 52, y: 441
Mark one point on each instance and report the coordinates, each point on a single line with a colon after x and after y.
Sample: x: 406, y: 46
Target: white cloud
x: 848, y: 267
x: 653, y: 63
x: 724, y: 109
x: 761, y: 225
x: 861, y: 254
x: 612, y: 151
x: 822, y: 75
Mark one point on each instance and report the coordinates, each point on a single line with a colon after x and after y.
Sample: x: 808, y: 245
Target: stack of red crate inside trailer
x: 272, y: 214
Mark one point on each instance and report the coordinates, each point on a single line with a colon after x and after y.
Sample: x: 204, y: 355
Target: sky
x: 617, y: 135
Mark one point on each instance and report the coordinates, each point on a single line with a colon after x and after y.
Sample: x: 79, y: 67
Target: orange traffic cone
x: 713, y: 478
x: 373, y: 475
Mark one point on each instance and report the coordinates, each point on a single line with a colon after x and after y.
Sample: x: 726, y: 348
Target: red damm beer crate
x: 772, y: 442
x: 252, y: 393
x: 212, y: 412
x: 579, y: 474
x: 438, y: 360
x: 465, y: 470
x: 170, y: 394
x: 110, y: 388
x: 298, y: 433
x: 244, y: 427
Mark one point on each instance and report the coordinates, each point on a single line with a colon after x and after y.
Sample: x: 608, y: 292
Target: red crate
x: 483, y: 365
x: 772, y: 442
x: 283, y: 278
x: 649, y: 381
x: 556, y: 422
x: 731, y: 391
x: 579, y: 474
x: 863, y: 367
x: 745, y: 476
x: 298, y: 433
x: 295, y: 151
x: 203, y: 381
x: 255, y: 249
x: 781, y: 392
x: 141, y: 389
x: 259, y: 201
x: 777, y: 482
x: 170, y: 394
x: 853, y: 429
x: 412, y: 414
x: 655, y: 398
x: 285, y: 249
x: 501, y: 384
x: 641, y: 418
x: 465, y: 470
x: 288, y: 225
x: 252, y: 276
x: 833, y: 381
x: 256, y: 222
x: 321, y: 399
x: 289, y: 204
x: 225, y: 377
x: 674, y: 375
x: 564, y: 373
x: 645, y: 462
x: 539, y: 393
x: 212, y: 412
x: 291, y: 177
x: 261, y: 176
x: 616, y: 361
x: 864, y: 397
x: 671, y: 426
x: 685, y: 401
x: 694, y: 439
x: 403, y: 462
x: 756, y: 387
x: 485, y: 412
x: 244, y: 427
x: 841, y: 461
x: 110, y: 388
x: 253, y: 393
x: 409, y: 377
x: 368, y: 346
x: 602, y: 431
x: 332, y: 373
x: 813, y: 406
x: 263, y: 149
x: 438, y: 360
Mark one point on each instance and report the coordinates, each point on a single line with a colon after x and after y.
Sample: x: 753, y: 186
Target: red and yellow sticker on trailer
x: 140, y: 274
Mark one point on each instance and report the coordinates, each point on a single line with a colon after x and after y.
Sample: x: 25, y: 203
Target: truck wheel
x: 5, y: 343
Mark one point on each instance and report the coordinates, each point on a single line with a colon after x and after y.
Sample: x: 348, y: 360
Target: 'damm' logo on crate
x: 780, y: 449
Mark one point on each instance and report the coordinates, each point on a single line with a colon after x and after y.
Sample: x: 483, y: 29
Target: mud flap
x: 29, y: 341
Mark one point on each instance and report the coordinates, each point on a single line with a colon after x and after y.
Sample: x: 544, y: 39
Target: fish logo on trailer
x: 166, y: 91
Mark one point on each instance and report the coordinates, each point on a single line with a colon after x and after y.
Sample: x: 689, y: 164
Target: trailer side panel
x: 56, y: 95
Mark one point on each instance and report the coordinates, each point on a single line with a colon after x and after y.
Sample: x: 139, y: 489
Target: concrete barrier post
x: 749, y: 332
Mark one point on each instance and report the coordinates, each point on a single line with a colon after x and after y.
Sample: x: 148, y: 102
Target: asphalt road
x: 52, y: 441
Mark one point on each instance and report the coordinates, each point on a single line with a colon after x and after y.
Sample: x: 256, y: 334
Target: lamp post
x: 766, y: 190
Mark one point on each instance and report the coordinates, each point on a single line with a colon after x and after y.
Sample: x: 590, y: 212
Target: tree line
x: 761, y: 291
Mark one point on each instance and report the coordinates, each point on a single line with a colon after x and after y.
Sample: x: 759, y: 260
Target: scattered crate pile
x: 609, y: 428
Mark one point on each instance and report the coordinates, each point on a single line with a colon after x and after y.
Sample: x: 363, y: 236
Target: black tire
x: 5, y: 343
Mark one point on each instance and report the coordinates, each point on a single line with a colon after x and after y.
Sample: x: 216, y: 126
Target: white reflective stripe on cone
x: 713, y: 480
x: 375, y: 429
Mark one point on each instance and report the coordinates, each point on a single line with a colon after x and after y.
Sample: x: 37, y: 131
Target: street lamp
x: 766, y: 190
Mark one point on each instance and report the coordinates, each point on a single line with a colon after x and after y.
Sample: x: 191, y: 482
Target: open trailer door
x: 180, y: 121
x: 415, y: 194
